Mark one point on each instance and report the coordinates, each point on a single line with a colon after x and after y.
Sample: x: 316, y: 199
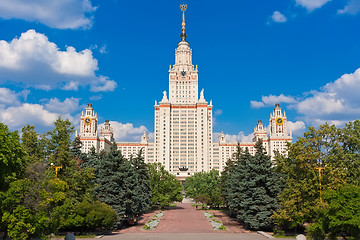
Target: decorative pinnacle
x: 183, y: 8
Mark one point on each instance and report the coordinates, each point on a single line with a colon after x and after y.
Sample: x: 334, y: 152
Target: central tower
x: 183, y: 121
x: 183, y: 77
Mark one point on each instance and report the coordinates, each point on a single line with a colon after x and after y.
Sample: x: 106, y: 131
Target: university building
x: 183, y: 125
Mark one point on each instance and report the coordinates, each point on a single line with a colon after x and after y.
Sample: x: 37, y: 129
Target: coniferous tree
x: 225, y: 184
x: 254, y: 189
x: 109, y: 180
x: 142, y: 191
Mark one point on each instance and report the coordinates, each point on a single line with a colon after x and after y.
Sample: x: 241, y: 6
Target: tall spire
x: 183, y: 35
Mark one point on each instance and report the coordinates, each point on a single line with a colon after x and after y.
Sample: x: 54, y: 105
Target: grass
x: 223, y: 228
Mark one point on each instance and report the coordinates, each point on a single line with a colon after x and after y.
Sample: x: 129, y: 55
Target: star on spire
x: 183, y: 35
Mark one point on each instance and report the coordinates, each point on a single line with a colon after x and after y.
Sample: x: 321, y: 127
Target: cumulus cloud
x: 337, y: 102
x: 34, y: 114
x: 240, y: 137
x: 8, y: 96
x: 297, y: 128
x: 68, y: 106
x: 103, y: 84
x: 278, y: 17
x: 352, y: 8
x: 270, y: 100
x: 69, y: 14
x: 311, y: 5
x: 124, y: 132
x: 35, y: 61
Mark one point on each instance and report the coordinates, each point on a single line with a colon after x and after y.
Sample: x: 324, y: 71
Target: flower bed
x: 216, y: 224
x: 152, y: 224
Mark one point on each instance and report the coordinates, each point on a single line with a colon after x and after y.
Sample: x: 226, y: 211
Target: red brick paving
x: 184, y: 219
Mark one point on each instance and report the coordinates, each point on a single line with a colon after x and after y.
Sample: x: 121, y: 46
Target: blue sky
x: 57, y: 56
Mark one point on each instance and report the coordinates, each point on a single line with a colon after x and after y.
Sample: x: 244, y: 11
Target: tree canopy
x: 205, y: 185
x: 165, y: 189
x: 252, y: 187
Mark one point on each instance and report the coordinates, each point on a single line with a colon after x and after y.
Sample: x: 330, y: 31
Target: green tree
x: 338, y: 215
x: 33, y: 144
x: 254, y: 187
x: 142, y: 191
x: 12, y: 157
x: 108, y: 180
x: 225, y: 180
x: 207, y: 184
x: 60, y: 142
x: 165, y: 189
x: 28, y: 205
x: 335, y: 149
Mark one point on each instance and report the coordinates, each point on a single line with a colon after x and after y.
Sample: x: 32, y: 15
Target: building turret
x: 279, y: 136
x: 107, y: 131
x: 88, y: 123
x: 260, y: 132
x: 89, y: 129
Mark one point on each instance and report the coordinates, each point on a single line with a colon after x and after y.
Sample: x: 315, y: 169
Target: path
x: 185, y: 236
x: 184, y: 219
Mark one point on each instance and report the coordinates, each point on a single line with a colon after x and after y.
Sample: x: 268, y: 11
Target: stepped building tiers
x: 183, y: 130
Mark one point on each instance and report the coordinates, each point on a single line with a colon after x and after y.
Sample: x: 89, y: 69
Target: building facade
x: 183, y: 125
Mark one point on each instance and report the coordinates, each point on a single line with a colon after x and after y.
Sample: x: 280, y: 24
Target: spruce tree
x: 142, y: 189
x: 225, y: 183
x: 109, y: 180
x: 254, y: 189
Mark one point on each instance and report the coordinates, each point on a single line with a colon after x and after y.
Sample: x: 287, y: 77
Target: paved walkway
x: 184, y: 219
x: 185, y: 222
x: 185, y: 236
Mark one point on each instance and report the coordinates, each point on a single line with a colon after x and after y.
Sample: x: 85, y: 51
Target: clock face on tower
x: 183, y: 73
x: 87, y: 121
x: 279, y: 121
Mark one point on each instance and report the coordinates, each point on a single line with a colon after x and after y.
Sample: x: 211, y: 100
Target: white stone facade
x: 183, y: 126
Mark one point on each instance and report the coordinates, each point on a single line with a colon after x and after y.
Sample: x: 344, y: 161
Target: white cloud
x: 127, y: 131
x: 69, y: 14
x: 320, y: 104
x: 352, y: 8
x: 240, y: 137
x: 311, y: 5
x: 33, y: 114
x: 278, y: 17
x: 337, y: 102
x: 8, y: 97
x: 297, y: 128
x: 68, y: 106
x: 103, y: 84
x: 218, y: 112
x: 96, y: 97
x: 256, y: 104
x: 271, y: 100
x: 34, y: 60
